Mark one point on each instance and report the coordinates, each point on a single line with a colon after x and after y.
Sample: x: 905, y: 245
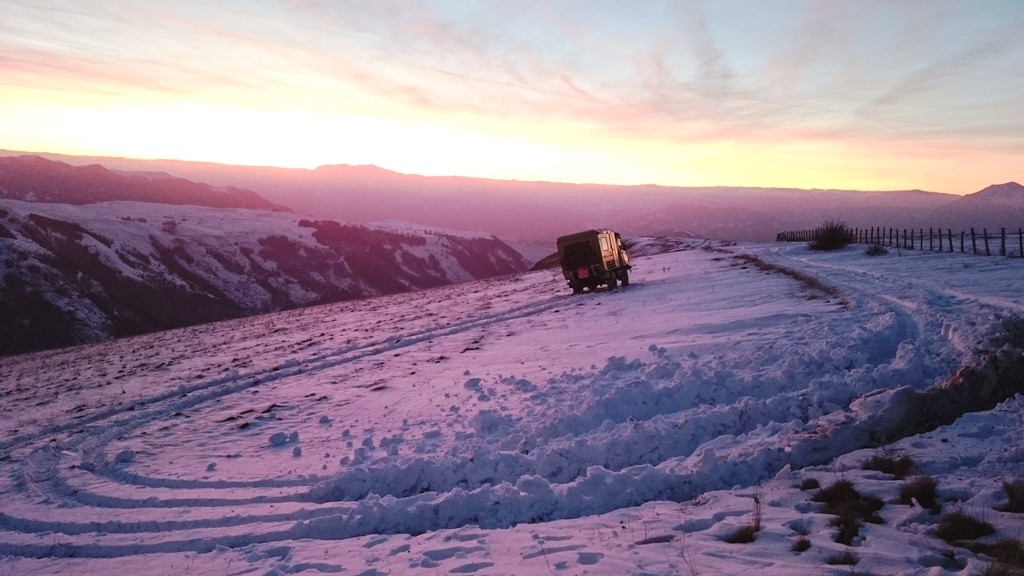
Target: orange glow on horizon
x: 549, y: 96
x: 500, y: 148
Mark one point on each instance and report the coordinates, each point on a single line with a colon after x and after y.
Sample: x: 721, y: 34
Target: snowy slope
x: 506, y: 427
x: 74, y: 274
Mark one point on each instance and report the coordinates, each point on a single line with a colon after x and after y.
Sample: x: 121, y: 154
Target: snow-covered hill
x: 996, y: 206
x: 1010, y: 193
x: 506, y: 427
x: 75, y: 274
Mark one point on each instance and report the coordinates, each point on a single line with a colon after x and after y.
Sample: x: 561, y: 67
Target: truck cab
x: 592, y: 258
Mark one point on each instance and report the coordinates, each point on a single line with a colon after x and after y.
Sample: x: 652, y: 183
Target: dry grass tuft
x: 810, y: 484
x: 847, y: 558
x: 898, y: 467
x: 849, y: 507
x: 923, y: 489
x: 833, y: 235
x: 748, y: 534
x: 1007, y: 551
x: 743, y: 535
x: 1015, y: 497
x: 876, y: 250
x: 957, y: 527
x: 801, y: 544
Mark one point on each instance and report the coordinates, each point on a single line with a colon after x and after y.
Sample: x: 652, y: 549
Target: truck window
x: 576, y: 255
x: 604, y: 244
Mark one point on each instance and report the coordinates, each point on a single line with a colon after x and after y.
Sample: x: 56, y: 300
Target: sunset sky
x: 858, y: 94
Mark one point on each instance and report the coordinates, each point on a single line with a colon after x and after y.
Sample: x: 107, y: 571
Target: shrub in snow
x: 801, y: 544
x: 998, y: 569
x: 833, y: 235
x: 809, y: 484
x: 278, y: 439
x: 922, y: 490
x: 743, y: 535
x: 850, y: 508
x: 1009, y: 556
x: 747, y: 534
x: 1015, y: 497
x: 898, y: 467
x: 846, y: 558
x: 957, y: 526
x: 876, y: 250
x: 124, y: 457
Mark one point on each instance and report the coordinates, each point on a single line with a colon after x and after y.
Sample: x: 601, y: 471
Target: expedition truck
x: 591, y: 258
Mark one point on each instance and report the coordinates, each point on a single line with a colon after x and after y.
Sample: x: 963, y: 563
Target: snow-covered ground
x: 507, y: 427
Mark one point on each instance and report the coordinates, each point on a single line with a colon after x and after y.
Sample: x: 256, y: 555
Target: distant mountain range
x: 36, y: 179
x: 539, y: 212
x: 76, y: 267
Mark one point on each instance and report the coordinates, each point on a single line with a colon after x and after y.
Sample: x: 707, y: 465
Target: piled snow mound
x: 505, y: 426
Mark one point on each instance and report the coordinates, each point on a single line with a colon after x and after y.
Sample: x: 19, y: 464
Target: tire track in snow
x: 196, y: 394
x: 40, y: 473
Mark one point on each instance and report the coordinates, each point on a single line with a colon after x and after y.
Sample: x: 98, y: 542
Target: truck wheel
x: 611, y: 282
x: 576, y: 288
x: 625, y: 278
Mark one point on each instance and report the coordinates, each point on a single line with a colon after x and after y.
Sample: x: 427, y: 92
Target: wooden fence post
x: 963, y: 235
x: 931, y: 246
x: 1020, y: 241
x: 974, y: 242
x: 950, y: 231
x: 1002, y: 241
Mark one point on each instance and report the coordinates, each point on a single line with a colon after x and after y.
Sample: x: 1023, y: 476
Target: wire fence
x: 983, y: 242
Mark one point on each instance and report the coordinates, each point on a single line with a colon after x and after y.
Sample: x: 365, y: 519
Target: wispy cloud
x: 667, y: 73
